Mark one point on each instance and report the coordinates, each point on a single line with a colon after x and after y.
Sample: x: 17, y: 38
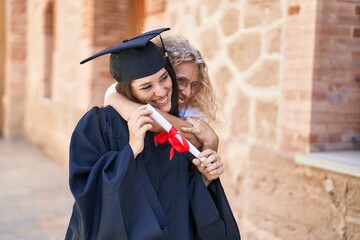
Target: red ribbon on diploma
x: 175, y: 143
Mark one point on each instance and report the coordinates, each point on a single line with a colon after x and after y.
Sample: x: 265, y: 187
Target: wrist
x: 206, y: 182
x: 134, y: 150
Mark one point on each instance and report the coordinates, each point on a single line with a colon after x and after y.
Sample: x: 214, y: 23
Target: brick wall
x: 113, y: 21
x: 14, y: 81
x: 110, y: 27
x: 336, y: 93
x: 321, y: 95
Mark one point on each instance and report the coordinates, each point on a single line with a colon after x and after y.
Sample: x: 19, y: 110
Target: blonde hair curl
x: 180, y: 50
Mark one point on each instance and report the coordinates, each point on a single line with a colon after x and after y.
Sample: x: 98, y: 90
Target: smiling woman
x: 156, y: 90
x: 196, y: 94
x: 123, y: 183
x: 187, y: 76
x: 196, y: 102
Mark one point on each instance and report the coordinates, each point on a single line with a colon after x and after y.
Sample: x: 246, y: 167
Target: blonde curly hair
x: 180, y: 50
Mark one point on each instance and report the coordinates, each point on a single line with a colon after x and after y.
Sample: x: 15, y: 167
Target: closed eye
x: 146, y: 87
x: 164, y: 77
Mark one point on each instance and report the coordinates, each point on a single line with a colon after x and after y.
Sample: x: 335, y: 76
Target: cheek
x: 188, y: 94
x: 145, y: 97
x: 141, y: 96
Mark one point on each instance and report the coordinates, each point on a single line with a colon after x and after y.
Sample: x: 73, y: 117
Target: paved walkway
x: 35, y: 201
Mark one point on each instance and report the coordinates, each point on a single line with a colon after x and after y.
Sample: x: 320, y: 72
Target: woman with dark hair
x: 124, y: 185
x: 197, y: 101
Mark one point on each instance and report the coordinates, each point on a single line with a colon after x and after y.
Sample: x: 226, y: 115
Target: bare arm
x: 121, y: 104
x: 125, y: 108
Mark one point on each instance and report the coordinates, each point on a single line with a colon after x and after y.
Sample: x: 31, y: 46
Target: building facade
x: 287, y: 74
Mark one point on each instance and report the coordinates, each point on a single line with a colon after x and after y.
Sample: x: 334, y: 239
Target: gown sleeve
x: 93, y: 153
x: 95, y: 172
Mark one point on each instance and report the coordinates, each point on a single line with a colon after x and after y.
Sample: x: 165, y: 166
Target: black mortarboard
x: 134, y: 58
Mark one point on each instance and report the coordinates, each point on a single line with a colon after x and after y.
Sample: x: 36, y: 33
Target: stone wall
x: 278, y: 71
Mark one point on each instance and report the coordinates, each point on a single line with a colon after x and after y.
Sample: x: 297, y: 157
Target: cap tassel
x: 166, y: 55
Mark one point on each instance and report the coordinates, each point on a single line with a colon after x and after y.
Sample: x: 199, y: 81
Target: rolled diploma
x: 167, y: 126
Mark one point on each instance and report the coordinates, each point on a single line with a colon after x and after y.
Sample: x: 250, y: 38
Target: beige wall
x: 283, y: 70
x: 2, y: 62
x: 80, y: 29
x: 49, y: 120
x: 13, y: 97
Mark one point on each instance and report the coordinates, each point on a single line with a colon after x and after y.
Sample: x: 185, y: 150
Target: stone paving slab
x: 35, y: 200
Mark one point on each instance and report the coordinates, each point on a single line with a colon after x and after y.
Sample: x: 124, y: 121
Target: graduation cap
x: 135, y: 58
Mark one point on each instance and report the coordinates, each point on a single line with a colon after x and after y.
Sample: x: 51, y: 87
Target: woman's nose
x: 160, y: 91
x: 187, y: 90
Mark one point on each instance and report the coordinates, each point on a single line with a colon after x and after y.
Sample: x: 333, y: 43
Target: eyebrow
x: 147, y: 83
x: 162, y: 75
x: 185, y: 78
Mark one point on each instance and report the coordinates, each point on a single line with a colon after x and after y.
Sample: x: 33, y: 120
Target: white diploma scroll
x: 167, y: 126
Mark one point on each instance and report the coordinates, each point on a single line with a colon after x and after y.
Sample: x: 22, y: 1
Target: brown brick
x: 344, y: 64
x: 335, y: 30
x: 348, y: 20
x: 347, y: 43
x: 332, y: 53
x: 355, y: 55
x: 349, y: 1
x: 328, y: 75
x: 337, y: 8
x: 356, y: 33
x: 324, y: 41
x: 343, y: 108
x: 357, y: 10
x: 292, y: 10
x: 327, y: 117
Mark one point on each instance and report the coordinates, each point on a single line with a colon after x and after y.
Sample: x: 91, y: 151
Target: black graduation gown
x: 150, y: 197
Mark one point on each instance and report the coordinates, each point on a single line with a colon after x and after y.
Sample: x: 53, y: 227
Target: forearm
x: 212, y: 143
x: 121, y: 104
x: 126, y: 107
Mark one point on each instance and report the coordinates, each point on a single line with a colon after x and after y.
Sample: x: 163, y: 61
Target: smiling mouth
x: 162, y: 102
